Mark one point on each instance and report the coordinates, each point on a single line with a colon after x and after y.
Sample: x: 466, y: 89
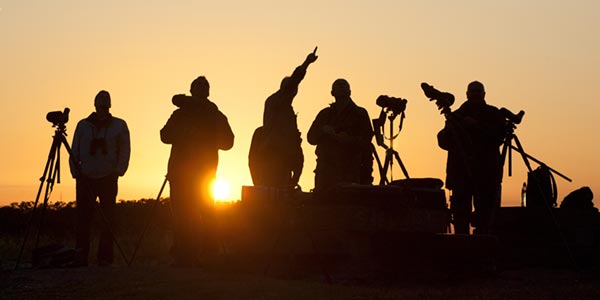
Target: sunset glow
x: 221, y: 190
x: 537, y: 56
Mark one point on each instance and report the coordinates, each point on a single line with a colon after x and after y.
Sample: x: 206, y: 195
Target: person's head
x: 102, y: 103
x: 200, y: 87
x: 340, y: 89
x: 476, y: 92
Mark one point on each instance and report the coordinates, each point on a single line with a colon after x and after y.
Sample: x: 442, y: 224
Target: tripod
x: 50, y: 176
x: 390, y: 153
x: 508, y: 147
x: 52, y: 172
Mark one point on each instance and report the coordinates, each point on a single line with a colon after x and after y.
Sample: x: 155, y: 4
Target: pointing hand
x: 312, y: 57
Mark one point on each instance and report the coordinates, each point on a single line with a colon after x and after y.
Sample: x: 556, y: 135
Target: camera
x: 396, y: 105
x: 511, y: 117
x: 443, y: 99
x: 182, y: 100
x: 98, y: 143
x: 58, y: 117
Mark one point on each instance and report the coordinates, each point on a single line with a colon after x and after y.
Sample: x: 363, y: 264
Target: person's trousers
x: 194, y: 219
x: 485, y: 201
x: 88, y: 189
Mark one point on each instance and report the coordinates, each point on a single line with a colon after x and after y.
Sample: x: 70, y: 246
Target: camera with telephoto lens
x: 396, y: 105
x: 512, y: 117
x: 98, y: 143
x: 58, y: 117
x: 443, y: 100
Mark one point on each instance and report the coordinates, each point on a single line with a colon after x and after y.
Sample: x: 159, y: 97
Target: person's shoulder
x: 84, y: 122
x: 362, y: 110
x: 359, y: 110
x: 118, y: 120
x: 211, y: 105
x: 491, y: 109
x: 323, y: 114
x: 325, y: 111
x: 177, y: 111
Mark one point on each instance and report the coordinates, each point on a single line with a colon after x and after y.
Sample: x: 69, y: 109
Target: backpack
x: 541, y: 188
x: 581, y: 199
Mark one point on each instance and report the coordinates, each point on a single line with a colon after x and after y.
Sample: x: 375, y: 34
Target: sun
x: 221, y: 190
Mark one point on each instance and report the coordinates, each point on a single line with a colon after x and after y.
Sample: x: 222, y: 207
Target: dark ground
x: 165, y: 282
x: 417, y: 275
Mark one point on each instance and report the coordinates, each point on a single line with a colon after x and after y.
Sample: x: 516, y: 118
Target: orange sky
x: 538, y: 56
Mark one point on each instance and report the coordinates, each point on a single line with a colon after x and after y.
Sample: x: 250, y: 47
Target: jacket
x: 472, y: 136
x: 196, y: 132
x: 100, y: 147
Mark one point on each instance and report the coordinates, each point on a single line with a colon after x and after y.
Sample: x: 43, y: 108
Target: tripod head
x: 391, y: 108
x: 512, y: 119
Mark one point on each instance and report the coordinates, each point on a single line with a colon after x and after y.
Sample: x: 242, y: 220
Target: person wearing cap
x: 196, y: 131
x: 99, y: 156
x: 472, y: 137
x: 342, y: 133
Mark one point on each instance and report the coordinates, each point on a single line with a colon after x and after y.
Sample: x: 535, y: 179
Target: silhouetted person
x: 342, y: 133
x: 472, y: 136
x: 196, y: 132
x: 100, y: 154
x: 276, y: 157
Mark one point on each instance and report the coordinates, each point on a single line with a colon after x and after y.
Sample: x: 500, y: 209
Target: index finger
x: 315, y: 51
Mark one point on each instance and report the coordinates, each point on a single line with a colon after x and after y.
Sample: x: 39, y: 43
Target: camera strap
x: 98, y: 125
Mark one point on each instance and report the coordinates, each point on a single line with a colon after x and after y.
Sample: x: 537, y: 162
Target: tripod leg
x: 509, y: 163
x: 522, y: 152
x: 397, y: 156
x: 386, y: 165
x: 47, y: 170
x: 54, y: 175
x: 380, y: 167
x: 48, y: 191
x: 506, y: 150
x: 148, y: 218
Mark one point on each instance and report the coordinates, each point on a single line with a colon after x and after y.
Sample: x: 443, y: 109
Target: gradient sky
x: 539, y: 56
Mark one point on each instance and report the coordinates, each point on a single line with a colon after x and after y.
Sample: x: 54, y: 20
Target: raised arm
x: 293, y: 81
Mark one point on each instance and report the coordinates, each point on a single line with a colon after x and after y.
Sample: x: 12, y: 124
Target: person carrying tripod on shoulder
x: 196, y: 131
x: 472, y: 136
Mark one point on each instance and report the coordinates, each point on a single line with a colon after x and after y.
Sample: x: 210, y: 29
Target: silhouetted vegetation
x: 59, y: 217
x: 58, y: 226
